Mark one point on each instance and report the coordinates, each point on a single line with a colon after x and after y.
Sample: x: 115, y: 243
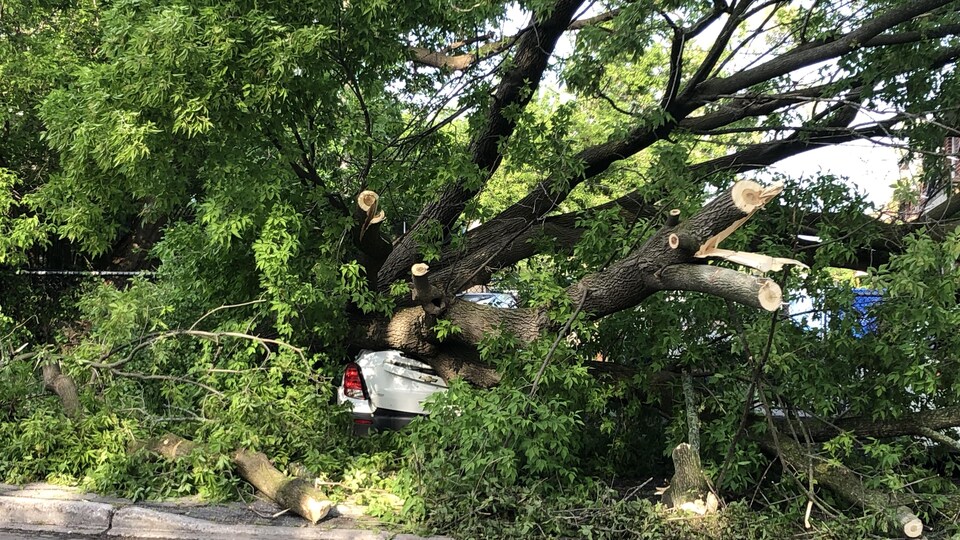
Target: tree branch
x: 516, y: 88
x: 460, y: 62
x: 808, y: 54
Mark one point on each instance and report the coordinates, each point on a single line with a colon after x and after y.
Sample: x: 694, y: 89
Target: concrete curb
x: 48, y: 508
x: 147, y: 523
x: 65, y: 516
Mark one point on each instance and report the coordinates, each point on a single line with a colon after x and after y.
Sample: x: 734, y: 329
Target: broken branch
x: 289, y: 493
x: 429, y: 297
x: 64, y: 387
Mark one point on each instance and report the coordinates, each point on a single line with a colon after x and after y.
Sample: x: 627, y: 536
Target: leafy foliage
x: 214, y: 148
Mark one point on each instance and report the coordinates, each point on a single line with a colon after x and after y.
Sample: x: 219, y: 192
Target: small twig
x: 553, y: 347
x: 229, y: 306
x: 269, y: 516
x: 149, y: 339
x: 145, y: 377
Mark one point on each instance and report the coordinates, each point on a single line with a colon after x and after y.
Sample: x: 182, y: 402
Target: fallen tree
x: 660, y: 263
x: 355, y: 168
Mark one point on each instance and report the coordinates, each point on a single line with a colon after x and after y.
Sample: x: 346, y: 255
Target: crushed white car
x: 386, y: 389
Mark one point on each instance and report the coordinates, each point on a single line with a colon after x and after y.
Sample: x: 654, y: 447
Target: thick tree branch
x: 374, y: 248
x: 746, y: 289
x: 909, y: 424
x: 847, y: 484
x: 64, y: 387
x: 516, y: 88
x: 812, y: 53
x: 630, y: 280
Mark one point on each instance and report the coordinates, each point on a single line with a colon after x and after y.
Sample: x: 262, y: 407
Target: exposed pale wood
x: 419, y: 270
x: 757, y: 261
x: 368, y: 203
x: 748, y: 196
x: 64, y: 387
x: 689, y: 489
x: 909, y: 523
x: 293, y: 493
x: 770, y: 295
x: 673, y: 217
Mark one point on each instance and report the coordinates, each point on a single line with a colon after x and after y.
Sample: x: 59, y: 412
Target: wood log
x: 64, y: 387
x: 295, y: 494
x: 743, y: 288
x: 908, y: 522
x: 848, y: 485
x: 167, y: 445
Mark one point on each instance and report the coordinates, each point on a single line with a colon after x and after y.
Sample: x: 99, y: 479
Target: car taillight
x: 353, y: 382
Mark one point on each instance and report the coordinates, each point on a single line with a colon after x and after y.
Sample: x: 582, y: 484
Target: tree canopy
x: 292, y: 182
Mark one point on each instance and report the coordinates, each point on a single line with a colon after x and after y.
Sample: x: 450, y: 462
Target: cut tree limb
x: 847, y: 484
x: 294, y: 494
x: 673, y: 218
x: 748, y: 196
x: 911, y: 423
x: 650, y: 268
x: 374, y: 248
x: 429, y: 297
x: 753, y: 291
x: 64, y: 387
x: 630, y: 280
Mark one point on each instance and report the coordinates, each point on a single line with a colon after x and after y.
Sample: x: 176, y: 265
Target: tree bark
x: 293, y: 493
x: 373, y: 247
x: 64, y: 387
x: 652, y: 267
x: 429, y: 297
x: 912, y: 423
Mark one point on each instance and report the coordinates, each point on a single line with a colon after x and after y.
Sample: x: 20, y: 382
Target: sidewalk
x: 64, y: 510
